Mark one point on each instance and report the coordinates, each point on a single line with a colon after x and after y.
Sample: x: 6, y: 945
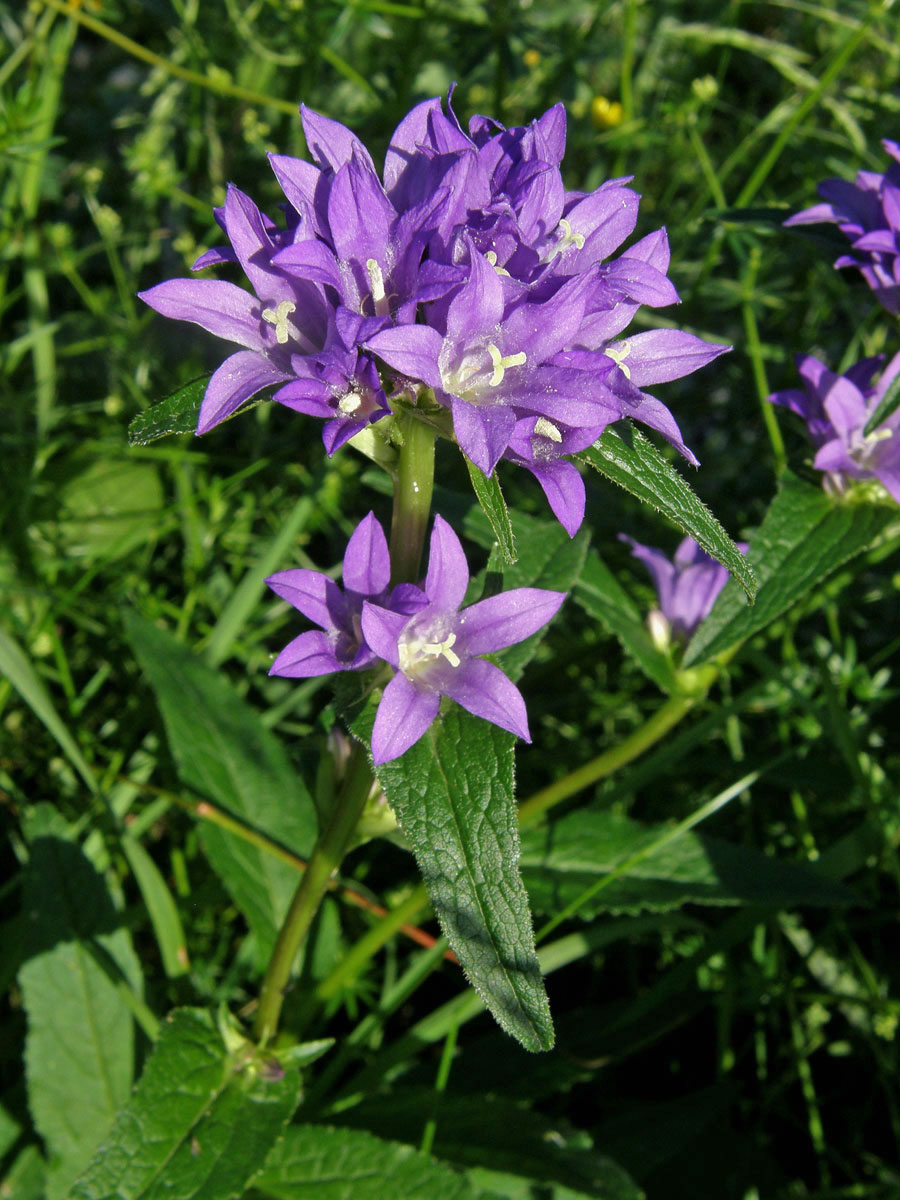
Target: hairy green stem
x: 656, y: 727
x: 326, y: 858
x: 413, y: 486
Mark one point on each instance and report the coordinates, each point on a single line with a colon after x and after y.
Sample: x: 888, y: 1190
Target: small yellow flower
x: 606, y: 114
x: 531, y: 58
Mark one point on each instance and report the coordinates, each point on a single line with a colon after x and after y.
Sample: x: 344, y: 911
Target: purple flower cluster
x: 687, y: 587
x: 467, y: 271
x: 836, y: 409
x: 433, y: 648
x: 868, y: 212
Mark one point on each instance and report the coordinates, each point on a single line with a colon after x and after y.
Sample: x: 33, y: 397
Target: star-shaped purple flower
x: 868, y: 212
x: 436, y: 652
x: 836, y: 409
x: 340, y: 645
x: 687, y: 586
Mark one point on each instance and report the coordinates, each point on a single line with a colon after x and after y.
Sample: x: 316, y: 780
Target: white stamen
x: 500, y: 364
x: 279, y: 318
x: 350, y: 403
x: 545, y: 428
x: 379, y: 296
x: 491, y: 256
x: 618, y: 354
x: 376, y: 279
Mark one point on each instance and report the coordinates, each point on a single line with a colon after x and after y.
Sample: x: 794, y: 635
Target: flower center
x: 279, y: 318
x: 867, y: 449
x: 350, y: 403
x: 417, y: 652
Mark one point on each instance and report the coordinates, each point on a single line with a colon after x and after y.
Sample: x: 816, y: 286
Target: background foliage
x: 726, y: 999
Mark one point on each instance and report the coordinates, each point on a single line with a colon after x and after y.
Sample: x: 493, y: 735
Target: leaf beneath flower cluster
x: 630, y: 460
x: 804, y: 537
x: 453, y: 795
x: 490, y: 497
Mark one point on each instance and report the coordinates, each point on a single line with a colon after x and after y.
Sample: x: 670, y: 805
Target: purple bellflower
x: 868, y: 213
x: 836, y: 409
x: 687, y: 587
x: 339, y: 645
x: 436, y: 651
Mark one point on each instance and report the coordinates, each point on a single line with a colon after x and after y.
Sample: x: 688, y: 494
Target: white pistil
x: 279, y: 318
x: 618, y: 354
x: 350, y: 403
x: 500, y: 364
x: 376, y: 279
x: 565, y: 239
x: 545, y: 428
x: 491, y: 256
x: 568, y: 237
x: 411, y: 654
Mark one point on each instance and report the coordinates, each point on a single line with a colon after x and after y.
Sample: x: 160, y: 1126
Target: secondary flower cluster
x: 468, y: 272
x: 687, y: 587
x: 836, y: 409
x: 868, y: 212
x: 433, y: 648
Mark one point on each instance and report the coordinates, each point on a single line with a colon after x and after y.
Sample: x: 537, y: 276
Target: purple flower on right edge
x: 836, y: 409
x: 687, y: 587
x: 868, y: 213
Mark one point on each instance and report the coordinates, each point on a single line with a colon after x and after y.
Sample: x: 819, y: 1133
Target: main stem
x: 412, y: 506
x: 326, y: 858
x: 413, y: 486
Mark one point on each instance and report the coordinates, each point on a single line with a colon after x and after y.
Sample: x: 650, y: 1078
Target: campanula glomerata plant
x: 448, y: 649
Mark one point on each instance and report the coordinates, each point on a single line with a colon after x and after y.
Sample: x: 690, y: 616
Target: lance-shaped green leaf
x: 201, y: 1121
x: 177, y: 413
x: 804, y: 537
x: 639, y: 867
x: 351, y: 1164
x: 888, y: 405
x: 600, y: 594
x: 453, y: 795
x: 490, y: 497
x: 80, y: 1048
x: 496, y: 1138
x: 161, y: 907
x: 630, y: 460
x: 225, y: 753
